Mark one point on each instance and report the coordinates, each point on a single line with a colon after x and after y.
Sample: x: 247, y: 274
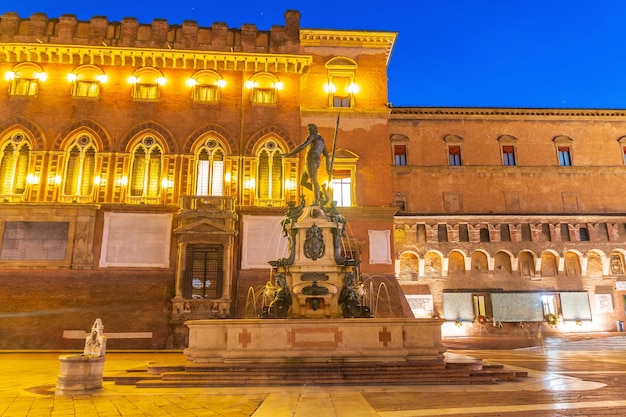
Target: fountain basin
x: 314, y: 340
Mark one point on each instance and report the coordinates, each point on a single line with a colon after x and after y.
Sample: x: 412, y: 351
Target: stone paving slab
x: 560, y: 382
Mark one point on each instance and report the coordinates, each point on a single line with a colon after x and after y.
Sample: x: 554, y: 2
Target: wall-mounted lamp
x: 9, y: 75
x: 249, y: 183
x: 32, y: 179
x: 227, y: 177
x: 132, y: 79
x: 121, y: 182
x: 165, y: 183
x: 98, y: 181
x: 250, y: 84
x: 102, y: 78
x: 353, y: 89
x: 278, y: 85
x: 161, y: 81
x: 330, y: 88
x: 289, y: 185
x: 221, y: 83
x: 56, y: 180
x: 41, y: 76
x: 71, y: 77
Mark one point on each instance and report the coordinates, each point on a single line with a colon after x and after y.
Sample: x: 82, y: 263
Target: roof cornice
x: 160, y: 58
x: 499, y: 113
x: 349, y: 39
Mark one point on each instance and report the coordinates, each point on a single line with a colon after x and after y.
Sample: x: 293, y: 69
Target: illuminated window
x: 550, y: 304
x: 264, y: 88
x: 342, y: 187
x: 206, y: 86
x: 399, y: 155
x: 86, y: 80
x: 210, y: 174
x: 80, y: 167
x: 24, y: 79
x: 481, y: 305
x: 341, y: 87
x: 270, y: 173
x: 147, y: 161
x: 147, y: 83
x: 14, y: 161
x: 343, y: 184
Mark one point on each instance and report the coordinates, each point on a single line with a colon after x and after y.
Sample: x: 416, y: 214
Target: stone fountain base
x: 315, y: 340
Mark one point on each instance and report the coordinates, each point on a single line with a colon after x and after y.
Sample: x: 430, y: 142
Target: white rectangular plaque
x: 380, y: 246
x: 263, y: 241
x: 139, y: 240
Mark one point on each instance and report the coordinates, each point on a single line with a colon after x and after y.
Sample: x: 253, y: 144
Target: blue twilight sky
x: 485, y: 53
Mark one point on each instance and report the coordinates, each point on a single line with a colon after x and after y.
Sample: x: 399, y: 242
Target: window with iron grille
x: 204, y: 271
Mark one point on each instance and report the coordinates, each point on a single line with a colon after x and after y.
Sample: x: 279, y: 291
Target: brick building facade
x: 141, y: 181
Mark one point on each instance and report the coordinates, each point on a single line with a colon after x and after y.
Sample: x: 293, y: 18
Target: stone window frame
x: 508, y: 142
x: 454, y: 147
x: 563, y: 147
x: 341, y: 67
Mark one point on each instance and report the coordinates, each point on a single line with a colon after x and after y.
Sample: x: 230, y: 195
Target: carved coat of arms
x: 314, y: 243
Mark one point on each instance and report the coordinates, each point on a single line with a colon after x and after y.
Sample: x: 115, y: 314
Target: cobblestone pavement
x: 566, y: 378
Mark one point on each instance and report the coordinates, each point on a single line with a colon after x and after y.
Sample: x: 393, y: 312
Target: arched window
x: 210, y: 169
x: 146, y: 166
x: 80, y: 167
x: 86, y: 81
x: 206, y: 86
x: 14, y: 161
x: 146, y: 83
x: 24, y: 79
x: 264, y: 88
x: 270, y: 173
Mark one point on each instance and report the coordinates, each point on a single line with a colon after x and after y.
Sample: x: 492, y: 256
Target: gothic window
x: 14, y: 161
x: 80, y: 167
x: 146, y: 165
x: 270, y: 172
x: 210, y: 169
